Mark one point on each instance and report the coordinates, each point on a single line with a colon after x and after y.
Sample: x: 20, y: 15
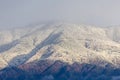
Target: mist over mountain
x: 60, y: 46
x: 23, y: 12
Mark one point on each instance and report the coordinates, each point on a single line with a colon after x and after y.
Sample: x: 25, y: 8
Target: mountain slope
x: 65, y: 42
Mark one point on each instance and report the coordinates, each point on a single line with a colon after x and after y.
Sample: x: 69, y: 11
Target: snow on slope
x: 66, y: 42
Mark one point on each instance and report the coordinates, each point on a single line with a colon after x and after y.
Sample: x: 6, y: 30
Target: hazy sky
x: 94, y: 12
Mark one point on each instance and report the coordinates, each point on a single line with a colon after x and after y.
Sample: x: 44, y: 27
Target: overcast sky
x: 94, y: 12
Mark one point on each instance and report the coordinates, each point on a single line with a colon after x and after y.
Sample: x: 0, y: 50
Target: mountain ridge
x: 60, y: 41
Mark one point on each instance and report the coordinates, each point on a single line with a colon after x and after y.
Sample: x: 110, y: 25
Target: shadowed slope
x: 8, y: 46
x: 51, y: 39
x: 58, y: 70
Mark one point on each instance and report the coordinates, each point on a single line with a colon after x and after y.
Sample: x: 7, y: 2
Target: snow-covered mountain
x: 64, y: 42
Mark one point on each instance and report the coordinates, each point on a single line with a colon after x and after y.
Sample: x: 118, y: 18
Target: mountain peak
x: 60, y: 41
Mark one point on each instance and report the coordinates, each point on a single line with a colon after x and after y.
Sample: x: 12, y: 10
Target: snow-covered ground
x: 60, y: 41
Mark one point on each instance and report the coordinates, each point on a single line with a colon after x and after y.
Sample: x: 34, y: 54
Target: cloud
x: 23, y: 12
